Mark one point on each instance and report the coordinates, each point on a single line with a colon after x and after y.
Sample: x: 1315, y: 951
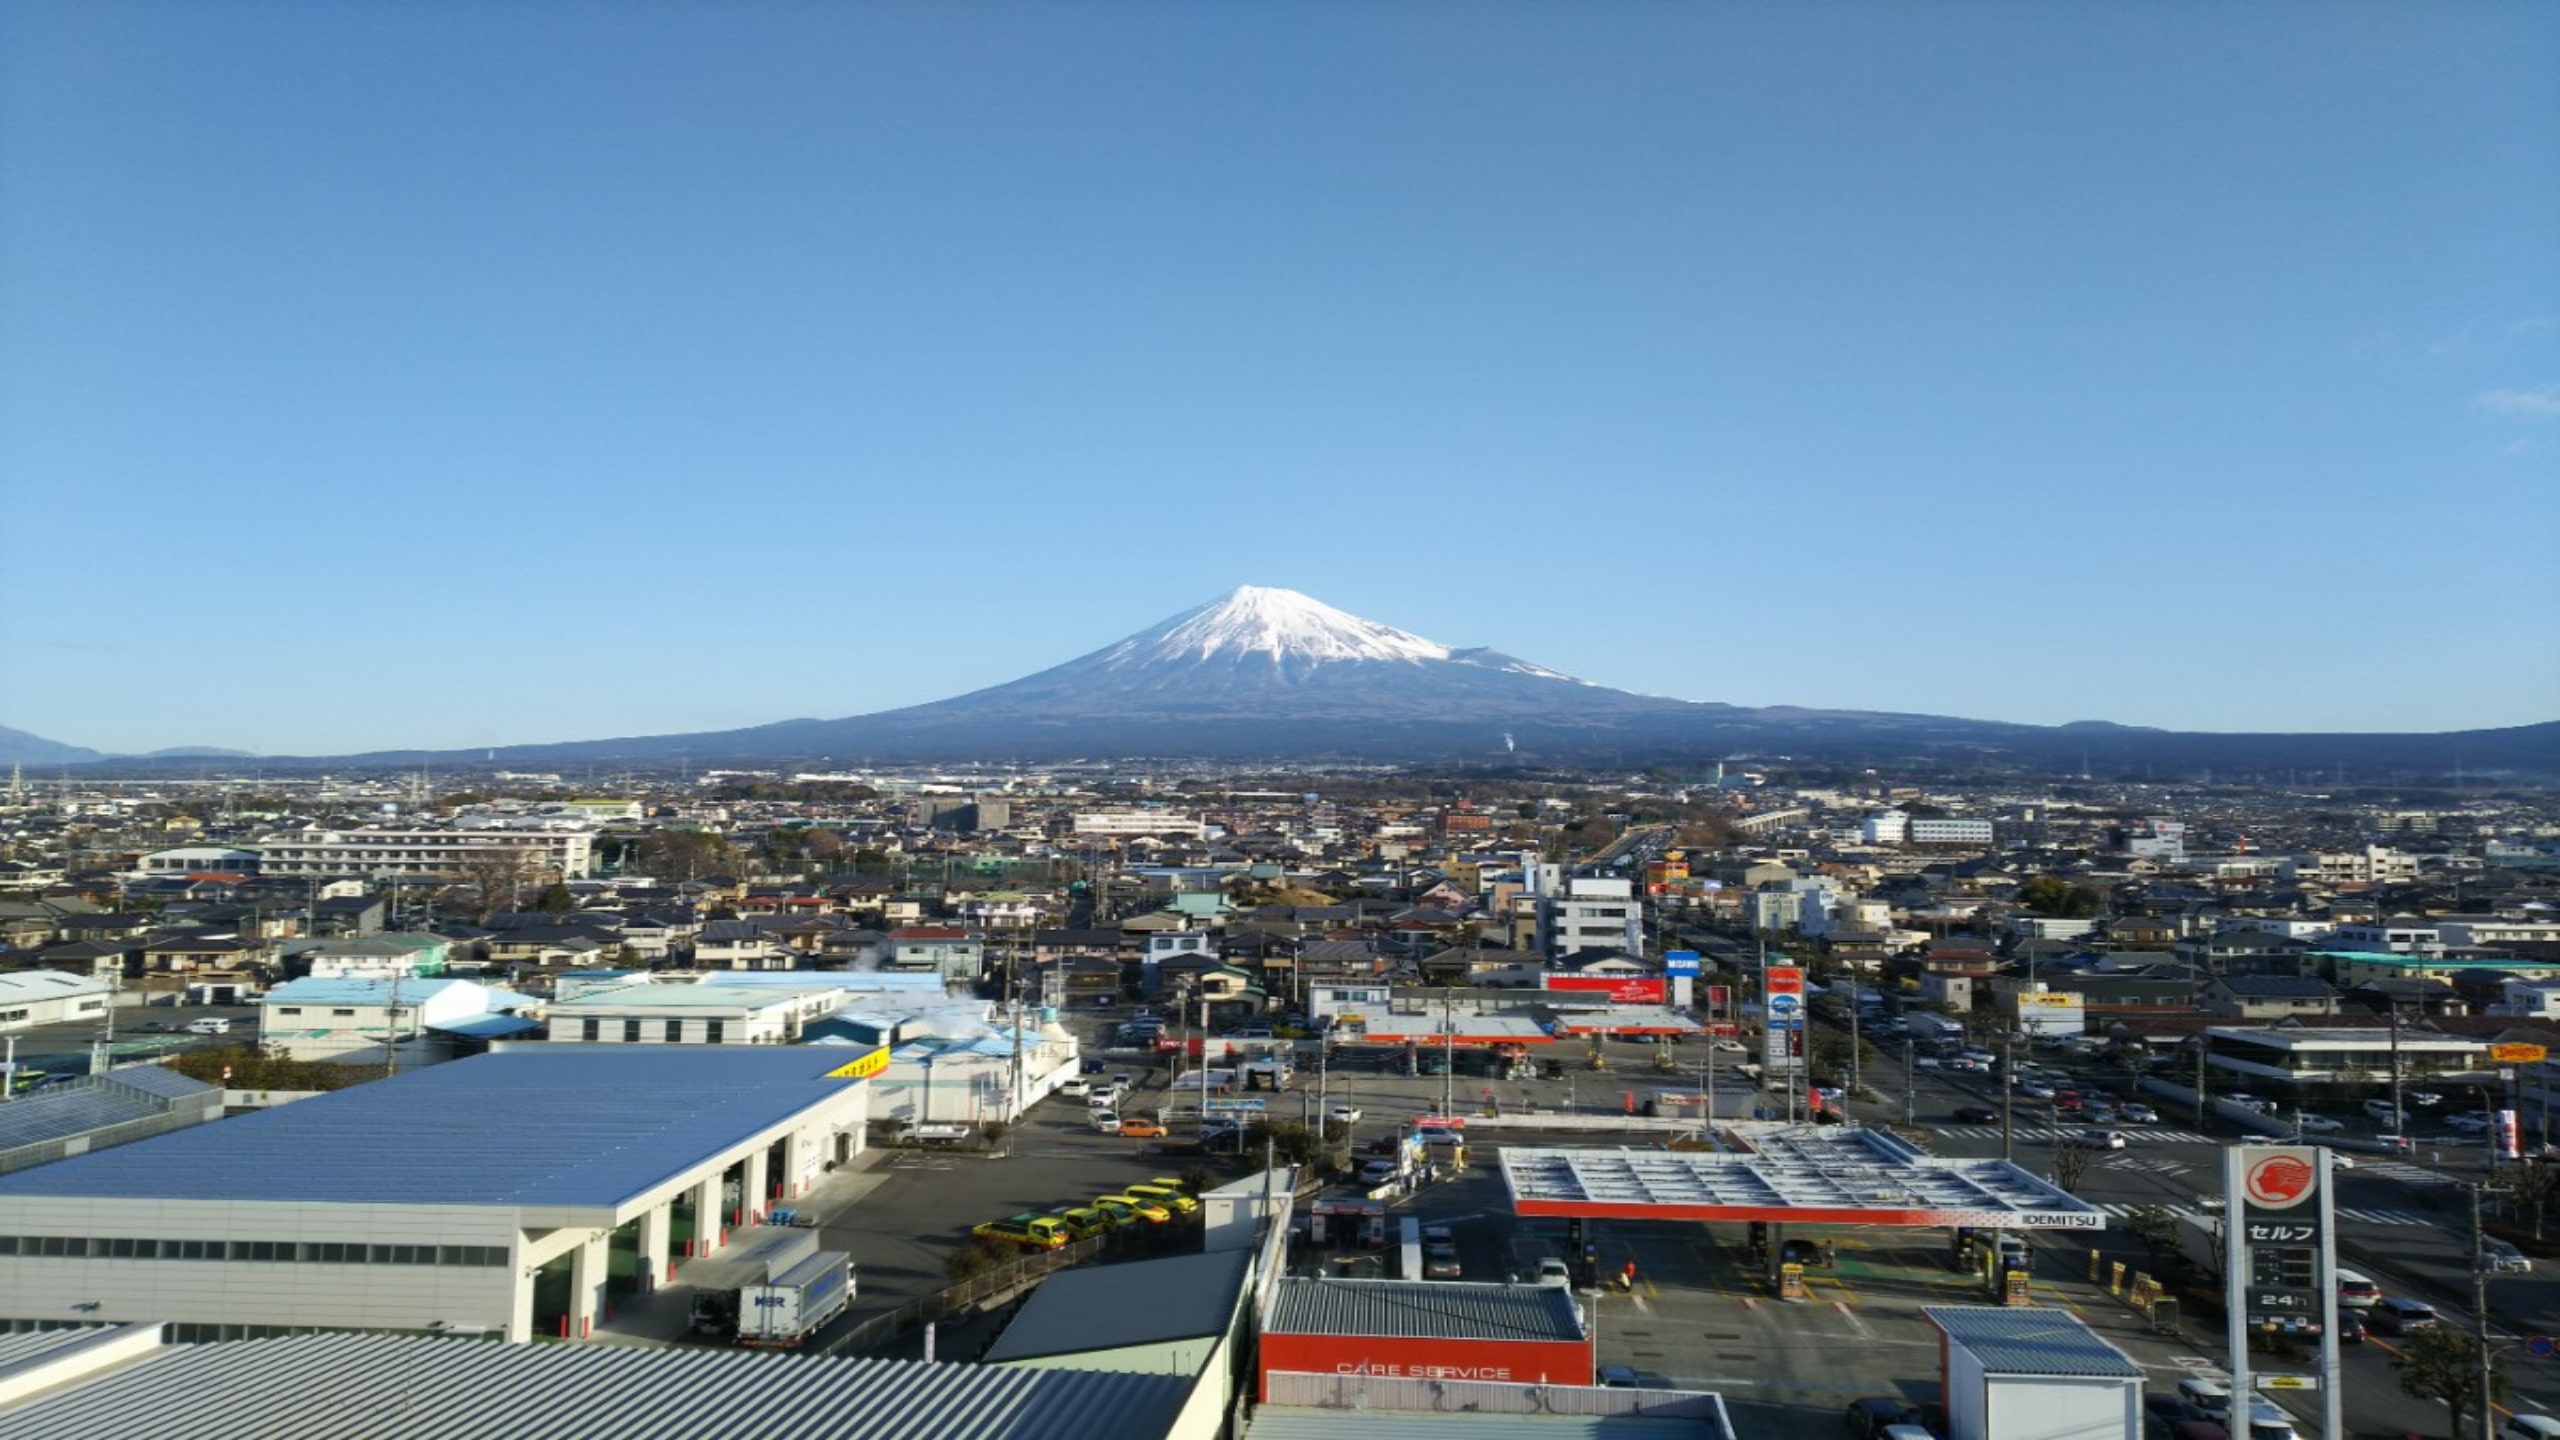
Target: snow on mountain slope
x: 1282, y: 624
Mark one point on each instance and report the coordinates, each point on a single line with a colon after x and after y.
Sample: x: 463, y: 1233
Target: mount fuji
x: 1268, y: 674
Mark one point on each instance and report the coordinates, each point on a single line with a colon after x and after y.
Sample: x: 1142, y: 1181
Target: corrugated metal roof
x: 548, y: 1124
x: 2027, y: 1340
x: 37, y: 1344
x: 157, y: 1080
x: 1435, y: 1310
x: 356, y: 991
x: 358, y: 1387
x: 1114, y: 1306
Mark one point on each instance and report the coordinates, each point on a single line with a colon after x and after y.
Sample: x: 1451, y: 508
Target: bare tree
x: 500, y: 873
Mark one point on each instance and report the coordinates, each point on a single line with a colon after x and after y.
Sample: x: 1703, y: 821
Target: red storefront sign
x: 1621, y: 989
x: 1516, y: 1362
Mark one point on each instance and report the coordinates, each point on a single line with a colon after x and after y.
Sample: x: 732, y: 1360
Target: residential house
x: 2269, y: 997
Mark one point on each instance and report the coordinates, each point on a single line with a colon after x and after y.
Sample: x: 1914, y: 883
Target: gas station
x: 1769, y: 1176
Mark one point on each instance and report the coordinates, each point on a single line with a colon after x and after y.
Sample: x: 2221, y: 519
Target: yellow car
x: 1140, y: 1206
x: 1178, y: 1187
x: 1084, y: 1221
x: 1171, y: 1199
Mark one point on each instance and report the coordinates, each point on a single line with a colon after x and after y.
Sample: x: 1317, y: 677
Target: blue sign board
x: 1783, y: 1006
x: 1680, y: 962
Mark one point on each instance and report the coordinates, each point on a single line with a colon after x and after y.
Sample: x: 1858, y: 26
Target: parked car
x: 2529, y: 1427
x: 1140, y: 1129
x: 2425, y: 1098
x: 2392, y: 1315
x: 2319, y: 1125
x: 1374, y: 1173
x: 1869, y: 1415
x: 1074, y: 1085
x: 2380, y: 1110
x: 2468, y: 1123
x: 1440, y: 1262
x: 2035, y: 1090
x: 1106, y: 1121
x: 2498, y: 1257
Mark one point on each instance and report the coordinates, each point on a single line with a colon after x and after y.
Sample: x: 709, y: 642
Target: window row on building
x: 123, y: 1247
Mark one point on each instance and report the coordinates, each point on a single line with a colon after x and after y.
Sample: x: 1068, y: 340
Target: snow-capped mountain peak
x: 1281, y: 624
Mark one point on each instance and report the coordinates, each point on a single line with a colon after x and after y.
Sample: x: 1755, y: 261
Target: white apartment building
x: 1593, y: 913
x: 2396, y: 937
x: 1138, y: 822
x: 1949, y: 830
x: 2472, y: 932
x: 437, y: 854
x: 2372, y: 865
x: 2157, y: 838
x: 1889, y: 827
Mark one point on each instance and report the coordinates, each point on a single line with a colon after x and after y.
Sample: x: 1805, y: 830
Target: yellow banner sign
x: 864, y: 1068
x: 2518, y: 1054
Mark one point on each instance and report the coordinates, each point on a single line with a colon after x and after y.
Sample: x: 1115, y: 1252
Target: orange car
x: 1142, y: 1129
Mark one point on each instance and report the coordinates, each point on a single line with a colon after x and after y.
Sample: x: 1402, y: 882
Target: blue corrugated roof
x: 554, y: 1124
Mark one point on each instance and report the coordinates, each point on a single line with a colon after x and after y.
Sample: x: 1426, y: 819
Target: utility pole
x: 2204, y: 1106
x: 2399, y: 1121
x: 2487, y: 1409
x: 2008, y: 1093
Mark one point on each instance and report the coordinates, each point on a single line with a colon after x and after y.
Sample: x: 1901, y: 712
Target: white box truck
x: 786, y: 1309
x: 756, y: 1255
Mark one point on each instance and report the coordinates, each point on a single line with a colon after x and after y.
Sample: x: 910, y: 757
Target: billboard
x: 1783, y: 980
x: 1680, y: 962
x: 1621, y: 989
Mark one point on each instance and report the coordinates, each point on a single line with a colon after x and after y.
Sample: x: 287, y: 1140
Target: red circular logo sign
x: 2279, y: 1182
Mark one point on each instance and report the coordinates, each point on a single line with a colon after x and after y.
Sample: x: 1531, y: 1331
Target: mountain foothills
x: 1272, y: 674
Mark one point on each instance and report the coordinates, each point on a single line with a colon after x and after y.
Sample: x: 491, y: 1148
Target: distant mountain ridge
x: 1271, y: 674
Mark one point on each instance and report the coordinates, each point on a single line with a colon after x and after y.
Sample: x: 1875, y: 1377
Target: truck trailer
x: 757, y: 1255
x: 785, y: 1310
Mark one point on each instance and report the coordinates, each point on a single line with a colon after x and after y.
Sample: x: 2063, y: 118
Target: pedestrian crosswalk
x: 2402, y: 1171
x: 2366, y: 1216
x: 2144, y: 1135
x: 2148, y: 1165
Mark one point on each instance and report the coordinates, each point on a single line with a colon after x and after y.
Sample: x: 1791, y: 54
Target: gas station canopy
x: 1828, y: 1175
x: 1474, y: 1031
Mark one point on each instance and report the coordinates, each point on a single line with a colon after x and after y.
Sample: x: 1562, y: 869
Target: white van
x: 2378, y: 1110
x: 209, y: 1025
x: 2210, y: 1395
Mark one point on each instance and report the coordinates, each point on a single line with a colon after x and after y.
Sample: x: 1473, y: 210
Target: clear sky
x: 444, y: 374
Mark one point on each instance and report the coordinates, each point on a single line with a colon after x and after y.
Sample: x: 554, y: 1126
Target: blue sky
x: 392, y: 375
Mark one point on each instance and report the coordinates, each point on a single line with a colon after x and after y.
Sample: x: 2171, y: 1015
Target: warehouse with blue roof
x: 511, y: 1192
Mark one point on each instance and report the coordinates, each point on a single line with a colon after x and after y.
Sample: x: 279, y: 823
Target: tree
x: 2535, y: 1185
x: 498, y: 875
x: 555, y: 899
x: 2156, y: 1228
x: 2070, y: 1166
x: 2058, y: 899
x: 2442, y: 1363
x: 684, y: 854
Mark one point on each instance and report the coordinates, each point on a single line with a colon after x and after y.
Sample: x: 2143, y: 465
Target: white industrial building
x: 489, y: 1194
x: 2021, y: 1373
x: 50, y: 997
x: 695, y: 1012
x: 372, y: 1022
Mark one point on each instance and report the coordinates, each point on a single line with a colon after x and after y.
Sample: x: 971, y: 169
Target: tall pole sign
x: 2280, y: 1255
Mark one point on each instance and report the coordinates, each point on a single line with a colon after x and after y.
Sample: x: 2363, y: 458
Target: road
x: 2405, y: 1224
